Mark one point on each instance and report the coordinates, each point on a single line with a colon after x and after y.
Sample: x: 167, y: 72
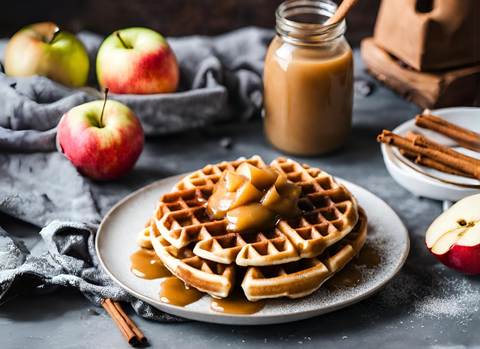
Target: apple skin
x: 101, y: 153
x: 147, y: 66
x: 462, y: 259
x: 31, y: 51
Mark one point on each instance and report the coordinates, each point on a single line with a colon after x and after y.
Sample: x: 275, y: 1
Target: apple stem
x: 55, y: 33
x: 119, y: 38
x: 104, y: 103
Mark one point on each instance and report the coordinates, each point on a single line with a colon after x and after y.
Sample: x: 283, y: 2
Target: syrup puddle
x: 147, y: 265
x: 367, y: 257
x: 236, y: 303
x: 350, y: 275
x: 174, y: 292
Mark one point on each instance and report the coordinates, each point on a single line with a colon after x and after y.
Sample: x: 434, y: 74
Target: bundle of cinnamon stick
x: 129, y: 330
x: 434, y: 155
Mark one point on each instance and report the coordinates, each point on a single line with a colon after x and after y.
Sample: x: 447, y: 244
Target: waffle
x: 206, y: 276
x: 291, y: 260
x: 330, y: 213
x: 181, y: 217
x: 181, y: 222
x: 292, y: 280
x: 263, y: 248
x: 143, y: 238
x: 301, y: 278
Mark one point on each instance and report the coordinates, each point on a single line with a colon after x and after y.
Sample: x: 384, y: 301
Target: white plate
x: 426, y: 182
x: 115, y: 243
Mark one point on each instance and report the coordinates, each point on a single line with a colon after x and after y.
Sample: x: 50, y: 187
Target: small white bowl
x: 430, y: 183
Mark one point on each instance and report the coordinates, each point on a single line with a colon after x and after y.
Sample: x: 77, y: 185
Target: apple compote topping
x: 253, y: 198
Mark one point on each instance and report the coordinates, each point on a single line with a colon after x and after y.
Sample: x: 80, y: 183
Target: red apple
x: 44, y: 49
x: 454, y: 237
x: 102, y: 144
x: 137, y: 61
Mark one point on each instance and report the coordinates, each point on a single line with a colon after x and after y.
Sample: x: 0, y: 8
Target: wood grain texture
x: 458, y: 87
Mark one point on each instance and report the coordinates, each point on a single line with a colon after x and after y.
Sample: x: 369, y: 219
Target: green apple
x: 137, y: 61
x: 102, y: 139
x: 43, y: 49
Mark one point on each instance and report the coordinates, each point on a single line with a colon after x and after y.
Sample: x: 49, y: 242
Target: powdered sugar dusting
x: 437, y: 296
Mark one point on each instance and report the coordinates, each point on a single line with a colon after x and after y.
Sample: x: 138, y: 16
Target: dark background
x: 168, y: 17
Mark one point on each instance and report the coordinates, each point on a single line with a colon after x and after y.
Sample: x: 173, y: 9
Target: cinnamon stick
x: 425, y: 142
x: 424, y: 161
x: 465, y: 138
x: 444, y: 122
x: 141, y: 337
x: 341, y: 12
x: 446, y: 159
x: 408, y: 154
x: 123, y: 322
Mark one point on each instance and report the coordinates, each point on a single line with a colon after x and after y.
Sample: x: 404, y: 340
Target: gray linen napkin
x: 220, y: 80
x: 69, y: 260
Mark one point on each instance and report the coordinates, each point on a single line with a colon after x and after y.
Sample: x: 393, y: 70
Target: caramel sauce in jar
x: 308, y: 81
x: 236, y: 303
x: 174, y: 292
x: 147, y: 265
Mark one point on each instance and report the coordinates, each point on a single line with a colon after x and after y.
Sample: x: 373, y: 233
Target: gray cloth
x: 69, y: 260
x: 220, y: 80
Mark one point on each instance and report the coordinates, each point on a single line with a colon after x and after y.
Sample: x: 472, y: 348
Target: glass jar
x: 308, y: 80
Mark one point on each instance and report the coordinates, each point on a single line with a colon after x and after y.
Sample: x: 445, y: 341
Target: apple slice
x: 454, y: 237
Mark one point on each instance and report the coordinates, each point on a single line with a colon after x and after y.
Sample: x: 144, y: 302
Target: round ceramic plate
x: 426, y: 182
x: 115, y: 243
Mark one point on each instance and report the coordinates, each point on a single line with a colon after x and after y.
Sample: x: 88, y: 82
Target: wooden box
x: 430, y: 34
x: 447, y: 88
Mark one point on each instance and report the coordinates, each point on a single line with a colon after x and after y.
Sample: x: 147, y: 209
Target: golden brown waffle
x: 181, y: 221
x: 301, y: 278
x: 143, y: 239
x: 206, y: 276
x: 263, y: 248
x: 206, y: 178
x: 330, y: 214
x: 292, y: 280
x: 330, y: 210
x: 181, y: 217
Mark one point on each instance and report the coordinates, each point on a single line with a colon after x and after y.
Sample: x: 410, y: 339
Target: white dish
x: 426, y: 182
x: 115, y: 243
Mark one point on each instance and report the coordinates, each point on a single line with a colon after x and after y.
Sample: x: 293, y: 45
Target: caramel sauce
x: 174, y: 292
x: 147, y: 265
x: 350, y: 275
x: 236, y: 303
x: 252, y: 198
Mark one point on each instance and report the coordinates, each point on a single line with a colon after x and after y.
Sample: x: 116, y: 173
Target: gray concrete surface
x: 426, y: 306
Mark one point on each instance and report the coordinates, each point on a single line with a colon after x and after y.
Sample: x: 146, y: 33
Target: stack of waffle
x: 292, y: 260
